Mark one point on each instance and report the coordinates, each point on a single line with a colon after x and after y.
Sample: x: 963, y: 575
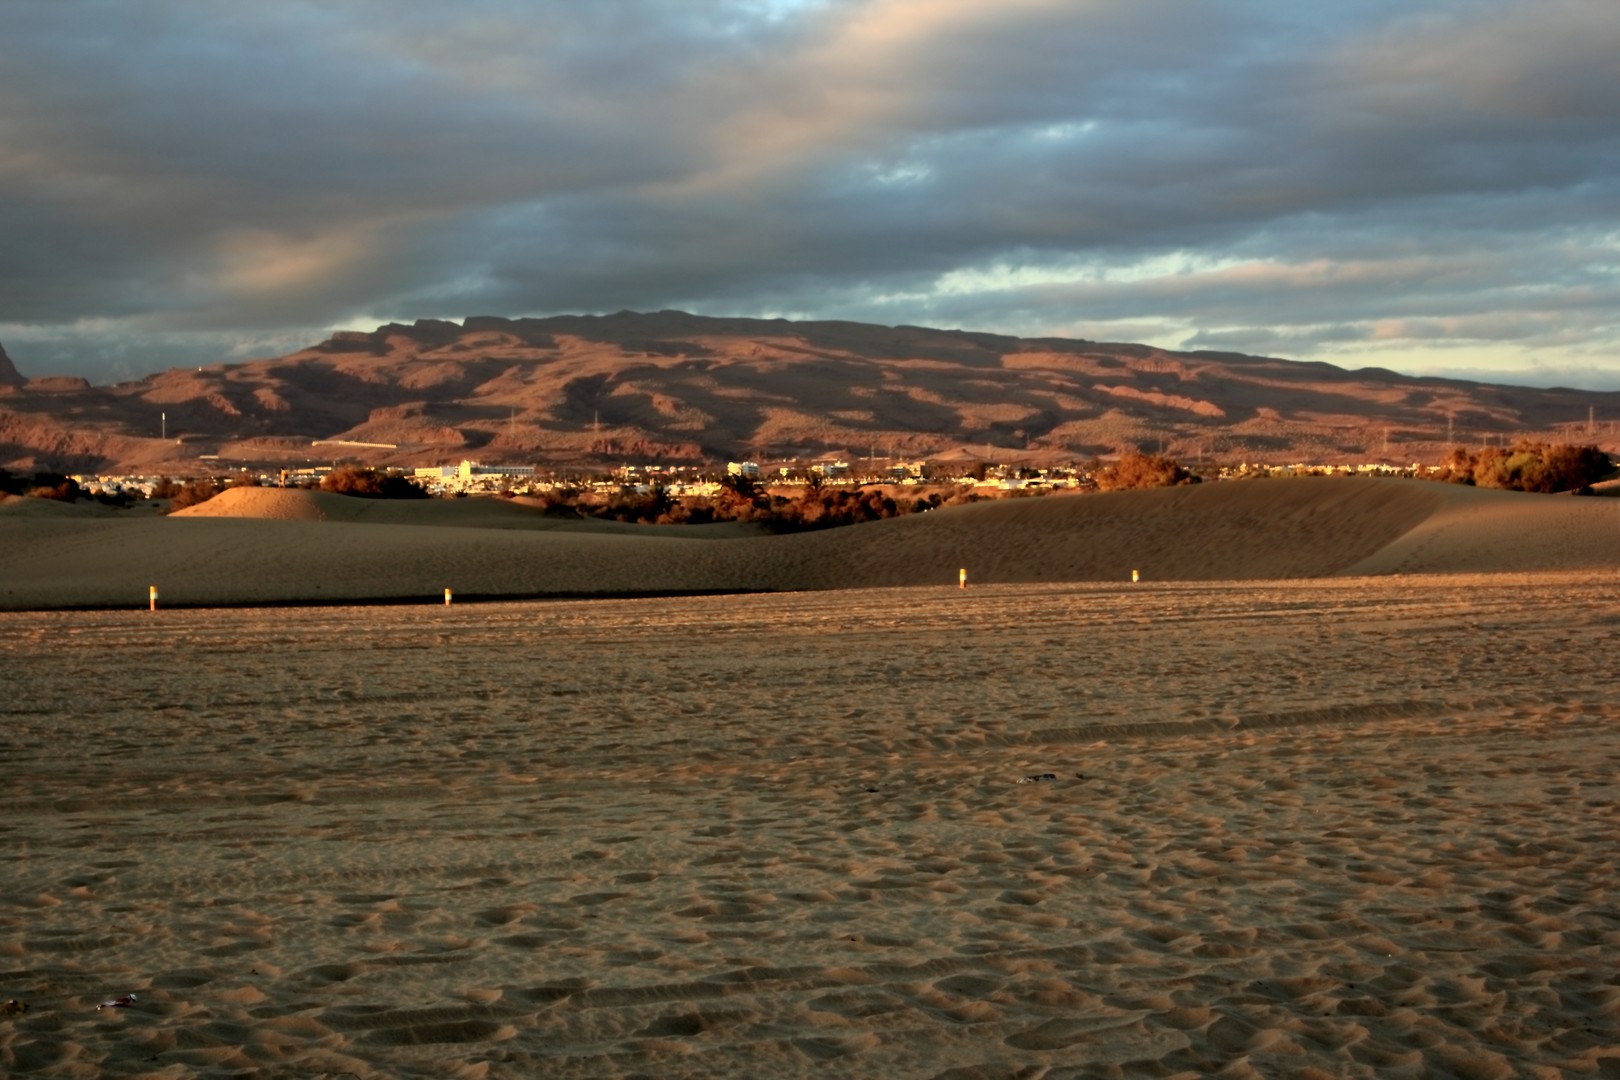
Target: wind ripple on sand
x: 1332, y: 826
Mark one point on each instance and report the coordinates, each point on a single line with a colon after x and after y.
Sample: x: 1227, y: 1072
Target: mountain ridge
x: 672, y: 387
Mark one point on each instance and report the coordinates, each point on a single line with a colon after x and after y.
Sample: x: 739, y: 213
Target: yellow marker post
x: 447, y: 598
x: 961, y: 578
x: 151, y: 598
x: 1136, y: 575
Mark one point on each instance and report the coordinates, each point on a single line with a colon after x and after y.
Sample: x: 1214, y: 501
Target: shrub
x: 631, y: 505
x: 1135, y: 469
x: 370, y: 484
x: 1528, y: 466
x: 48, y: 485
x: 1457, y: 467
x: 559, y: 502
x: 192, y: 493
x: 814, y: 507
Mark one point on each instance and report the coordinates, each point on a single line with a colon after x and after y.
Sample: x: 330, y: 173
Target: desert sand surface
x: 269, y: 546
x: 1343, y: 827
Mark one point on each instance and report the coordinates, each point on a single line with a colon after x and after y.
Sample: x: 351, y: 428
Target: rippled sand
x: 1343, y: 828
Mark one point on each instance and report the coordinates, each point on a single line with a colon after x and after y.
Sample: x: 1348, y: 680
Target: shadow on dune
x: 269, y: 547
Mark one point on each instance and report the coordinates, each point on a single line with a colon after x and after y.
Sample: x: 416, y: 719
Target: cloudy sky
x: 1426, y: 185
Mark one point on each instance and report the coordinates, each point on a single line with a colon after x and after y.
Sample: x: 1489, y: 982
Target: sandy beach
x: 1333, y: 825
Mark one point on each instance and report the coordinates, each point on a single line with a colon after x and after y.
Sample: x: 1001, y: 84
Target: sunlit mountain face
x: 674, y: 388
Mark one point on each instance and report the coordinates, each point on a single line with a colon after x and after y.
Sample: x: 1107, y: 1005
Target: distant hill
x: 677, y: 388
x: 9, y: 376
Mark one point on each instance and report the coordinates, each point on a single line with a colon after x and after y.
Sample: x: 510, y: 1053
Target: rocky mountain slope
x: 677, y: 388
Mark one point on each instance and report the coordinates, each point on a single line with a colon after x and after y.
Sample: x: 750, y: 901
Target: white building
x: 468, y: 471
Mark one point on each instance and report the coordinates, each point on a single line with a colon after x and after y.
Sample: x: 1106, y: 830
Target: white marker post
x: 961, y: 578
x: 151, y: 598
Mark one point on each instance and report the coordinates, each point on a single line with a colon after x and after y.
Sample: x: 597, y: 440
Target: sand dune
x: 1305, y: 801
x: 272, y: 546
x: 1492, y: 531
x: 296, y: 504
x: 21, y: 506
x: 1356, y: 828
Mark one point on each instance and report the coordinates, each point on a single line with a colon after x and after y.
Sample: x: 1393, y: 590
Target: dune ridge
x: 256, y: 546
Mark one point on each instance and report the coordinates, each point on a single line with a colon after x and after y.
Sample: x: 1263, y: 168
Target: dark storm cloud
x: 1369, y: 182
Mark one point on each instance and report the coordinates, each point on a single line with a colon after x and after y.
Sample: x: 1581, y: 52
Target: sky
x: 1430, y: 186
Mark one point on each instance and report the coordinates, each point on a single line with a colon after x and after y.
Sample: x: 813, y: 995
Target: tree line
x: 743, y: 500
x: 1529, y: 465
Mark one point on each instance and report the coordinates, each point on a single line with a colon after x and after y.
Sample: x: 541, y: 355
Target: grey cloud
x: 215, y: 174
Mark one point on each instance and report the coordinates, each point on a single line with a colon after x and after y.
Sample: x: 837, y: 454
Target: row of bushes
x: 348, y: 480
x: 371, y: 484
x: 822, y: 507
x: 1528, y: 466
x: 743, y: 501
x: 42, y: 485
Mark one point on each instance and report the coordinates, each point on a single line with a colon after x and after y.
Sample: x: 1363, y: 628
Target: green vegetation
x: 1529, y: 466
